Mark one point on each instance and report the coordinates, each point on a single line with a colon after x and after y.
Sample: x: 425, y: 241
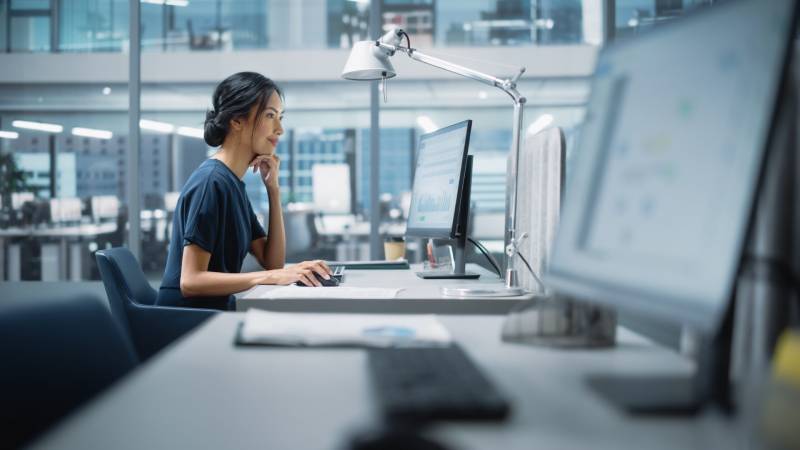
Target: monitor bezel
x: 670, y: 308
x: 442, y: 233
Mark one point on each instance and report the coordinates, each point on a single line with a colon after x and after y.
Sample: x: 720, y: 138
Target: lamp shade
x: 367, y: 62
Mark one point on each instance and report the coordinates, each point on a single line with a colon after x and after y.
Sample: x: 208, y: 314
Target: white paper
x: 374, y: 330
x: 340, y: 292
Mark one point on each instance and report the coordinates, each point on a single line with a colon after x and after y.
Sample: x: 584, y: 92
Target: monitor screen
x: 438, y: 179
x: 659, y: 199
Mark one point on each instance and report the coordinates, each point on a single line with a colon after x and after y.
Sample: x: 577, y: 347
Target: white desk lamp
x: 369, y: 61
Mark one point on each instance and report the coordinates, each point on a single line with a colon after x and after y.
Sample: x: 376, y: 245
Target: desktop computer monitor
x: 668, y: 164
x: 441, y: 192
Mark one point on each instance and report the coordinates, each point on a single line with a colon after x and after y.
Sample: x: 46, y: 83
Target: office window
x: 29, y: 33
x: 347, y: 23
x: 516, y: 22
x: 92, y: 25
x: 63, y: 176
x: 633, y: 16
x: 3, y: 26
x: 396, y: 167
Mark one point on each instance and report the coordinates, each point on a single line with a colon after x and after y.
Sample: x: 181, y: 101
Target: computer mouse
x: 394, y: 439
x: 325, y: 283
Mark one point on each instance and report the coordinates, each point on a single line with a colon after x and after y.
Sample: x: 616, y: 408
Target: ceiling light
x: 153, y: 125
x: 92, y: 133
x: 39, y: 126
x: 190, y: 132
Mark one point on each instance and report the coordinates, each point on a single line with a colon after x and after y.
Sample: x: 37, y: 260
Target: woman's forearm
x: 217, y: 283
x: 275, y: 250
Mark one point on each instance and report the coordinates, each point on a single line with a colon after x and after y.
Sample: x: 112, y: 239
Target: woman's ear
x: 236, y: 124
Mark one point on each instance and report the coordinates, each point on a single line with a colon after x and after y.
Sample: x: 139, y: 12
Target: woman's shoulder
x: 205, y: 178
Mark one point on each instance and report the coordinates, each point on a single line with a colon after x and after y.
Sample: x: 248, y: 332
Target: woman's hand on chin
x: 268, y: 167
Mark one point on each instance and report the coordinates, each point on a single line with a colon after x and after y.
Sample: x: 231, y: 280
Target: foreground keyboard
x: 424, y: 384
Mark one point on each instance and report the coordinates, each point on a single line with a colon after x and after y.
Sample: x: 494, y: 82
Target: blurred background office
x: 64, y: 112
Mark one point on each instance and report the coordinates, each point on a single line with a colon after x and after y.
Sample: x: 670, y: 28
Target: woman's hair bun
x: 213, y: 134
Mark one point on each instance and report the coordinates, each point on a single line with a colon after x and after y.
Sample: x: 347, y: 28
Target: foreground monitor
x: 668, y: 164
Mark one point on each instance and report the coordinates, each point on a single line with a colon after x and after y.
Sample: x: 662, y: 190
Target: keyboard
x: 433, y: 383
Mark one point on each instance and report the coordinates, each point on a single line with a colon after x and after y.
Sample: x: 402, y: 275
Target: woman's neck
x: 236, y: 158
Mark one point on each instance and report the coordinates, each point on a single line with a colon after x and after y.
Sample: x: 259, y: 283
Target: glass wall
x: 72, y: 178
x: 219, y: 25
x: 62, y: 179
x: 28, y: 26
x: 92, y: 25
x: 633, y: 16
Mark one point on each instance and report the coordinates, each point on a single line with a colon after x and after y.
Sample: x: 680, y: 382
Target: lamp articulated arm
x: 390, y: 43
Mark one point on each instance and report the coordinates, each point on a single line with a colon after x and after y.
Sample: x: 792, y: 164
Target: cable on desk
x: 408, y: 39
x: 487, y: 255
x: 536, y: 278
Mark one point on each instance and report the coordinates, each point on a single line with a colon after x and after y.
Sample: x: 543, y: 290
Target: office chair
x: 57, y: 353
x: 299, y: 235
x: 132, y: 302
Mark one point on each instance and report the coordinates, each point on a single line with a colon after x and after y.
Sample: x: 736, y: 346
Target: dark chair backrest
x: 56, y: 354
x: 132, y: 299
x: 130, y: 275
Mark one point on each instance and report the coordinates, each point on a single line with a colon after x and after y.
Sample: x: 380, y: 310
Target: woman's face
x: 267, y: 128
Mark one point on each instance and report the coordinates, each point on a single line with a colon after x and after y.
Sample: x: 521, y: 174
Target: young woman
x: 214, y: 225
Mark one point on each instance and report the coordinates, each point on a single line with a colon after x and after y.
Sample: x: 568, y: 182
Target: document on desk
x: 340, y: 292
x: 367, y: 330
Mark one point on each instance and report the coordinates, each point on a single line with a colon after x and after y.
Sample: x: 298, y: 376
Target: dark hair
x: 233, y: 98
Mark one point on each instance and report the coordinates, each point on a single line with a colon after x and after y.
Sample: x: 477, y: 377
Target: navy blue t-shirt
x: 212, y: 212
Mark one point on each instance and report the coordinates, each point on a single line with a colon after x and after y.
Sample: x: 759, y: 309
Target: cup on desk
x: 394, y: 247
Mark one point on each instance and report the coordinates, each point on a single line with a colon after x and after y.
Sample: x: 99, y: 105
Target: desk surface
x: 418, y: 296
x: 204, y: 393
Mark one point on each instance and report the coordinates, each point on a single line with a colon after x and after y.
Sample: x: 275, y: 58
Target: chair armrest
x: 155, y: 327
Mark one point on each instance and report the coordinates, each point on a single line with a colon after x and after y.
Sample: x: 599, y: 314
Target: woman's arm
x: 274, y: 245
x: 197, y: 280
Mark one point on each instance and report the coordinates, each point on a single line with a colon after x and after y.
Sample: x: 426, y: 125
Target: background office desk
x: 204, y: 393
x: 418, y: 296
x: 61, y: 259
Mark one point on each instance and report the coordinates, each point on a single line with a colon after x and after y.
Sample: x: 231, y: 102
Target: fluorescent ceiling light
x: 544, y: 121
x: 39, y: 126
x: 92, y: 133
x: 153, y: 125
x: 427, y: 124
x: 9, y: 134
x: 190, y: 132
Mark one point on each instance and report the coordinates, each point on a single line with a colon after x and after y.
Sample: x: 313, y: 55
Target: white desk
x: 205, y: 393
x: 58, y: 257
x: 418, y: 296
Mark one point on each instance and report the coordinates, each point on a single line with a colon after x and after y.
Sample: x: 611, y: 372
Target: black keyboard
x: 439, y: 383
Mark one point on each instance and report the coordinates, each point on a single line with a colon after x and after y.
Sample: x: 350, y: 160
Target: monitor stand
x: 462, y: 215
x: 676, y: 395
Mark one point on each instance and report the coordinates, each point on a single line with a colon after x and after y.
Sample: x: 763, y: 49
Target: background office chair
x: 57, y: 353
x: 132, y: 302
x: 302, y: 237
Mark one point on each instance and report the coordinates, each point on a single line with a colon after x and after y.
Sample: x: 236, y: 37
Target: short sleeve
x: 256, y: 230
x: 203, y: 212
